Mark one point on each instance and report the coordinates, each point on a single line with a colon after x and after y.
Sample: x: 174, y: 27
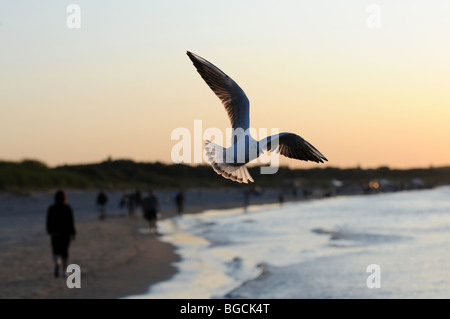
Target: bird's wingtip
x: 191, y: 56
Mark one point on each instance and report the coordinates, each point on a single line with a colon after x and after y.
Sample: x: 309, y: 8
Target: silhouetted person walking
x: 150, y: 208
x: 131, y: 204
x: 179, y: 201
x: 102, y: 199
x: 138, y: 197
x: 61, y: 228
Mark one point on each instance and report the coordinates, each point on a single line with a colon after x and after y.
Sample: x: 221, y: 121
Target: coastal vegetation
x: 115, y: 174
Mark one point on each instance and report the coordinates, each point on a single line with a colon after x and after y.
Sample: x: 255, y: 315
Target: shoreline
x: 137, y: 262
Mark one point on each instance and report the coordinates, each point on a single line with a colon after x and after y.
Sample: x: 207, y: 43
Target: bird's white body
x: 243, y: 151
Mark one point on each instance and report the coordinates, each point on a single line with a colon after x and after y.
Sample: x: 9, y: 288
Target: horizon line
x: 109, y: 159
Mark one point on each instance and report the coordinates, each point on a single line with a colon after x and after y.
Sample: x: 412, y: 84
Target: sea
x: 387, y: 245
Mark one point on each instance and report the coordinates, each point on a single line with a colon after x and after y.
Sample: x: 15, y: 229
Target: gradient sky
x: 120, y: 84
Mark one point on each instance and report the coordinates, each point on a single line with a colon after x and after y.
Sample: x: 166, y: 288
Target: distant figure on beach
x: 102, y: 199
x: 134, y: 202
x: 131, y: 201
x: 138, y: 197
x: 306, y: 193
x: 179, y: 201
x: 61, y: 228
x: 281, y: 198
x: 123, y: 203
x: 150, y: 208
x: 131, y: 205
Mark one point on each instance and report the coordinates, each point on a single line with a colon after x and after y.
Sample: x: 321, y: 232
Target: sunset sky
x: 121, y: 83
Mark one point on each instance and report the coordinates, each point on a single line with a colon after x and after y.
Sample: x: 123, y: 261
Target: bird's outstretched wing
x: 232, y: 96
x: 292, y: 146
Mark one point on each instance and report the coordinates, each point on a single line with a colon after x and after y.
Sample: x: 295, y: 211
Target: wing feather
x: 232, y: 96
x: 292, y: 146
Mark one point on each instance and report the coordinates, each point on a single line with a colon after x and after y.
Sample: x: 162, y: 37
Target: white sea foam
x: 315, y: 249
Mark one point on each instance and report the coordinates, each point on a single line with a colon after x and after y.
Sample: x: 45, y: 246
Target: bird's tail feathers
x: 216, y: 154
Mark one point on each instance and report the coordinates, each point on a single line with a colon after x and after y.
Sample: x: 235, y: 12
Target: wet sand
x: 117, y: 256
x: 115, y: 261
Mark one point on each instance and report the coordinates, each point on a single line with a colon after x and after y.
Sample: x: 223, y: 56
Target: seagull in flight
x: 230, y: 162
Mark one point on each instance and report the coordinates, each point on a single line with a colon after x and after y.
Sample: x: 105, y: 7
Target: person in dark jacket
x: 61, y: 228
x: 150, y: 208
x: 102, y: 199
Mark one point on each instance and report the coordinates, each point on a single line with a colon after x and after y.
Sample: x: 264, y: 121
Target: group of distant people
x: 60, y: 223
x: 131, y: 202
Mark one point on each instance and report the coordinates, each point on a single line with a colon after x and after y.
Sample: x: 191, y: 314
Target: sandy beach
x: 115, y: 262
x: 117, y: 256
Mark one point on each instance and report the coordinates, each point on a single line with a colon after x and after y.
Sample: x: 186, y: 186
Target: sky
x: 367, y: 87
